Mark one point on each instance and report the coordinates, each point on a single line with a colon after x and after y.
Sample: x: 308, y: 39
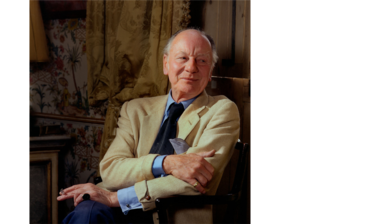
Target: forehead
x: 191, y: 41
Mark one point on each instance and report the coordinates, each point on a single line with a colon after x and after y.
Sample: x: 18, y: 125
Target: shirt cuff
x: 157, y: 169
x: 128, y: 199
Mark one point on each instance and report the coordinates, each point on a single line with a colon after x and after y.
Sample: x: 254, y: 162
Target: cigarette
x: 61, y: 192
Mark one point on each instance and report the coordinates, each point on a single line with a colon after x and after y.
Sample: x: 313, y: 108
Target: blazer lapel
x: 151, y: 125
x: 190, y: 116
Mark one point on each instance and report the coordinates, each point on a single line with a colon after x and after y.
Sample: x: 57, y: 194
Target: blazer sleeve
x: 120, y: 168
x: 220, y: 133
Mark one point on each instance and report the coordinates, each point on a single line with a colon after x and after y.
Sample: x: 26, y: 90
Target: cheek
x: 175, y: 71
x: 172, y: 79
x: 206, y: 74
x: 176, y: 67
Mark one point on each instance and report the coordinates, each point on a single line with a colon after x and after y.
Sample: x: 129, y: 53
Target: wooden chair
x: 231, y: 198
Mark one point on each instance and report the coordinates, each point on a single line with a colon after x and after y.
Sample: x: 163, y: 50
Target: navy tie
x: 168, y: 131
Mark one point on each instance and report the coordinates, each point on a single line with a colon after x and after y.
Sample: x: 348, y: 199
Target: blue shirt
x: 127, y: 196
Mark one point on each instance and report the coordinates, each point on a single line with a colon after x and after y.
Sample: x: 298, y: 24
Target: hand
x: 190, y: 168
x: 96, y: 194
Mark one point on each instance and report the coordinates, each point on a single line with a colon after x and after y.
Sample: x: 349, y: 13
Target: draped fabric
x: 124, y: 41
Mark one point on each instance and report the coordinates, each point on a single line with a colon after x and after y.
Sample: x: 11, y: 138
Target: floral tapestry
x: 60, y: 85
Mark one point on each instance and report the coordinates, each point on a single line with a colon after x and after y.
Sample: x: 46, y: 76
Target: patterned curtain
x: 124, y: 41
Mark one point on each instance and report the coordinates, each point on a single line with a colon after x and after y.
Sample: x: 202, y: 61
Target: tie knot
x: 175, y: 111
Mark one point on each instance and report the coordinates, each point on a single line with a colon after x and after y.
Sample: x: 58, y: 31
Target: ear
x: 165, y: 65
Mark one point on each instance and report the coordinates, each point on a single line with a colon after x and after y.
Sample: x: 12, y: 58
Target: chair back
x: 241, y: 168
x: 235, y: 193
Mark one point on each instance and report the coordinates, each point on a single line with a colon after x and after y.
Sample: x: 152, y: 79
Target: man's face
x: 188, y: 65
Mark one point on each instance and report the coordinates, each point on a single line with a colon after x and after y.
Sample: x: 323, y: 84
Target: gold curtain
x: 38, y: 41
x: 124, y: 41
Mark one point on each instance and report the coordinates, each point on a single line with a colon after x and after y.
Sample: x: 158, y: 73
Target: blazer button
x: 148, y: 197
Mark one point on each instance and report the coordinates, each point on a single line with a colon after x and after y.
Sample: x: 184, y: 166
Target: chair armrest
x: 97, y: 180
x: 192, y: 201
x: 162, y: 203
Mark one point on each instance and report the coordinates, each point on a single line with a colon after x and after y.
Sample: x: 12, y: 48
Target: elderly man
x: 142, y: 164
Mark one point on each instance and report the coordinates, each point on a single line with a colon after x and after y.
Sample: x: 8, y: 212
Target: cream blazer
x: 208, y: 123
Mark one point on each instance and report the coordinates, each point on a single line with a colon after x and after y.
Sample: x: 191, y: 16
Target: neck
x: 180, y: 97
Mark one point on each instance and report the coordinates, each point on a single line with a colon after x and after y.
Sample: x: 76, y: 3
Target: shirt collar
x: 171, y: 101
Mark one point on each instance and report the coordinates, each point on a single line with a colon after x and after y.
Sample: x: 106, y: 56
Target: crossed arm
x: 197, y: 165
x: 189, y: 168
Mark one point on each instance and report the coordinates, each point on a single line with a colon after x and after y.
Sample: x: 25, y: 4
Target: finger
x: 208, y: 167
x: 78, y: 188
x: 204, y: 162
x: 207, y: 154
x: 64, y: 197
x: 211, y: 153
x: 201, y: 170
x: 201, y: 179
x: 198, y: 187
x: 72, y: 188
x: 204, y: 176
x: 78, y: 199
x: 201, y: 173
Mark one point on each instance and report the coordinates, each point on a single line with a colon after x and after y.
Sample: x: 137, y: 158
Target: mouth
x: 189, y: 79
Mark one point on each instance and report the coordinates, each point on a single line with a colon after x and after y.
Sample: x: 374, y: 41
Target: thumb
x: 207, y: 154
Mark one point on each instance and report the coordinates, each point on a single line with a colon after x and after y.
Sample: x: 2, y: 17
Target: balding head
x: 188, y: 63
x: 206, y: 36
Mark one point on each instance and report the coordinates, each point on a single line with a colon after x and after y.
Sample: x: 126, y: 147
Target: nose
x: 191, y: 66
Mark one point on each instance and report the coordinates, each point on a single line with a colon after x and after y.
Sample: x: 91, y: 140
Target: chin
x: 188, y: 91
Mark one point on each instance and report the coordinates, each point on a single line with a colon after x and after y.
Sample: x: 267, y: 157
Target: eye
x: 201, y: 61
x: 182, y: 58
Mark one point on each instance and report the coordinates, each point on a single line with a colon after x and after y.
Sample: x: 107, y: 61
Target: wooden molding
x: 64, y: 15
x: 50, y: 158
x: 70, y: 118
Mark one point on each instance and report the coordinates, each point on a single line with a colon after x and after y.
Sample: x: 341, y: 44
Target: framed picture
x: 54, y: 9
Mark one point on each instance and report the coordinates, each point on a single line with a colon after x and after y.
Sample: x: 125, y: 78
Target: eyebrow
x: 202, y: 54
